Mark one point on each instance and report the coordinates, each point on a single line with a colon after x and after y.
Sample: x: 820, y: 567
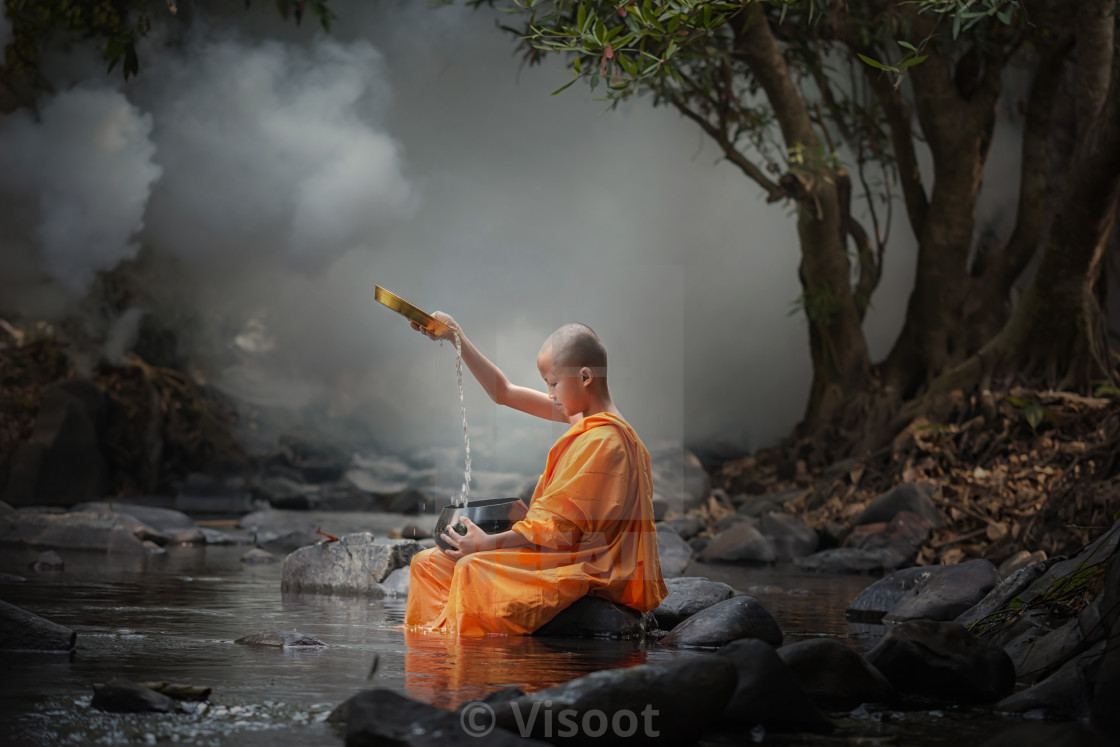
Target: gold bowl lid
x: 412, y: 313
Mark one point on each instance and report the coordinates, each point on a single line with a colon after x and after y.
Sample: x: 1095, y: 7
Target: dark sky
x: 283, y: 173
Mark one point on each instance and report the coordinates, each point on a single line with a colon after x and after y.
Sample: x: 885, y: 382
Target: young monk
x: 589, y: 529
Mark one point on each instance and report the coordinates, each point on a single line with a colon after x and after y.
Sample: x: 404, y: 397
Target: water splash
x: 465, y: 490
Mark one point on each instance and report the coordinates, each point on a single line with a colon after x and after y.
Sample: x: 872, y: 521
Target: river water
x: 174, y: 617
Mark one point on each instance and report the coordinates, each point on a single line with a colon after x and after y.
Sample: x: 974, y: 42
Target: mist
x: 277, y: 173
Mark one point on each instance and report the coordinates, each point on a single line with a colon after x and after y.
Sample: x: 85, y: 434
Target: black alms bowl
x: 492, y: 516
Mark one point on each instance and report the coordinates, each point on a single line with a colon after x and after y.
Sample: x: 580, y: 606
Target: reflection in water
x: 174, y: 617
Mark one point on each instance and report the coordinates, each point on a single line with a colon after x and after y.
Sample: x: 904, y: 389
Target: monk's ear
x: 586, y: 375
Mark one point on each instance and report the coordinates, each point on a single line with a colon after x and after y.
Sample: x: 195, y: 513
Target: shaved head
x: 575, y: 345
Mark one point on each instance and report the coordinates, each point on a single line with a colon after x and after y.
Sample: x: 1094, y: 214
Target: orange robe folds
x: 591, y: 528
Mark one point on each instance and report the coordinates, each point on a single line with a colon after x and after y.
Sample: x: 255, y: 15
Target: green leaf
x: 907, y: 45
x: 876, y: 63
x: 1035, y: 414
x: 956, y: 26
x: 564, y: 87
x: 581, y: 17
x: 912, y: 61
x: 1017, y: 401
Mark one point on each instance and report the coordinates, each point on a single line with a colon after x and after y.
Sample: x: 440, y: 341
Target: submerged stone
x: 281, y: 639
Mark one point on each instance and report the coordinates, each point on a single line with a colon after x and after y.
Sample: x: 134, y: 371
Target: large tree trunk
x: 839, y: 350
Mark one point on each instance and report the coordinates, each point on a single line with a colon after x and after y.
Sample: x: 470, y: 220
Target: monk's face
x: 566, y: 387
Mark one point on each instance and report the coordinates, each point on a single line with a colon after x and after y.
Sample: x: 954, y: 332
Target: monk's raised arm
x: 491, y: 378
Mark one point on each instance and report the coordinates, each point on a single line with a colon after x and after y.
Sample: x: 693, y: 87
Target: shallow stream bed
x: 174, y: 617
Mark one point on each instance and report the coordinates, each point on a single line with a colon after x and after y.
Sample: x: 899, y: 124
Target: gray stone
x: 679, y: 697
x: 48, y: 560
x: 280, y: 639
x: 381, y: 717
x: 944, y: 661
x: 756, y: 506
x: 121, y: 696
x: 1106, y: 692
x: 257, y: 556
x: 1065, y: 694
x: 732, y: 520
x: 1000, y: 596
x: 902, y: 536
x: 219, y: 537
x: 1048, y: 652
x: 790, y: 536
x: 673, y: 552
x: 679, y: 479
x: 726, y: 621
x: 915, y: 497
x: 686, y: 526
x: 396, y: 583
x: 944, y: 592
x: 594, y: 617
x: 741, y: 543
x: 175, y: 527
x: 833, y: 675
x: 687, y: 596
x: 768, y: 692
x: 21, y: 630
x: 77, y: 530
x: 356, y: 564
x: 850, y: 560
x: 880, y: 597
x: 62, y: 463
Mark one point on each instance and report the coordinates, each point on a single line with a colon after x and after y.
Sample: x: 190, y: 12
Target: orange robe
x: 591, y: 528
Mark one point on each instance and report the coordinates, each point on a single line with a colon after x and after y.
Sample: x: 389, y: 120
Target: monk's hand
x: 439, y: 316
x: 464, y: 544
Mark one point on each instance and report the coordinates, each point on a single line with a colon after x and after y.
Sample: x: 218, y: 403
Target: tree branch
x: 870, y: 266
x: 774, y: 192
x: 756, y: 45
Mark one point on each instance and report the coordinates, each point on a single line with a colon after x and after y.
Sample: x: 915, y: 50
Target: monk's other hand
x: 465, y: 544
x: 439, y: 316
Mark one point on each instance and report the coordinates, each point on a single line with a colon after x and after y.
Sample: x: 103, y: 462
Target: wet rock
x: 48, y: 560
x: 1021, y: 559
x: 220, y: 537
x: 673, y: 552
x: 1047, y: 652
x: 726, y: 621
x: 831, y: 534
x: 77, y: 530
x: 356, y: 564
x: 383, y: 717
x: 833, y: 675
x: 257, y: 556
x: 1106, y: 692
x: 880, y: 597
x: 767, y: 691
x: 757, y: 506
x: 944, y: 661
x: 902, y: 536
x: 1065, y: 694
x: 317, y: 460
x: 281, y: 639
x: 698, y: 543
x: 21, y: 630
x: 676, y: 699
x: 414, y: 532
x: 679, y: 479
x: 121, y: 696
x: 11, y: 578
x: 742, y: 543
x: 284, y: 543
x: 687, y: 596
x: 407, y: 502
x: 62, y: 462
x: 850, y: 560
x: 914, y: 497
x: 174, y: 527
x: 1000, y: 596
x: 282, y: 491
x: 396, y: 583
x: 685, y: 526
x: 790, y: 536
x: 594, y: 617
x: 944, y: 592
x: 1049, y: 735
